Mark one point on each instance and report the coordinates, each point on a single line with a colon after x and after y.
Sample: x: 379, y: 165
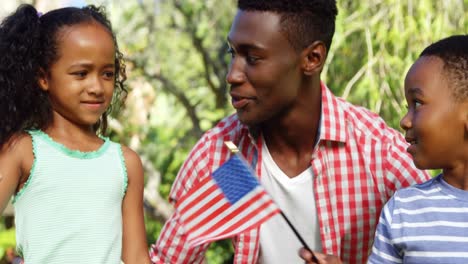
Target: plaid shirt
x: 359, y: 162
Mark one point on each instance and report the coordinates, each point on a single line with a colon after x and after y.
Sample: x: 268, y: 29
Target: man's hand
x: 322, y: 258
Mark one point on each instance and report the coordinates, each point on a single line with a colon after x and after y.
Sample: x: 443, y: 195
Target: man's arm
x: 172, y: 246
x: 400, y: 170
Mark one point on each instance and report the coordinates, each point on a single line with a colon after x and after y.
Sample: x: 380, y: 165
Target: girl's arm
x: 16, y: 159
x: 135, y: 247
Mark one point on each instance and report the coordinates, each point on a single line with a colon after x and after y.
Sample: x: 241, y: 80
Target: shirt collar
x: 332, y: 120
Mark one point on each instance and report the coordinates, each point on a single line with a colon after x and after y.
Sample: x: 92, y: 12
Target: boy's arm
x: 134, y: 245
x: 383, y: 250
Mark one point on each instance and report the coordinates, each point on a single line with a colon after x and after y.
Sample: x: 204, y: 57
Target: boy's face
x: 264, y: 73
x: 435, y: 122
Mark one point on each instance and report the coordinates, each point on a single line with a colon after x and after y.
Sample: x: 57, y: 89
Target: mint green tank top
x: 70, y: 209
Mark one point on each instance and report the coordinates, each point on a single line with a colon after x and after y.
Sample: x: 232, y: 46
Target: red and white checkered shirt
x: 358, y: 163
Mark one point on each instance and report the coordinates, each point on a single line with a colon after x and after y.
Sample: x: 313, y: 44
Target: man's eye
x: 252, y: 59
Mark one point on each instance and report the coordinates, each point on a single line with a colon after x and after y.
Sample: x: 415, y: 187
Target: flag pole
x: 234, y: 150
x: 304, y: 244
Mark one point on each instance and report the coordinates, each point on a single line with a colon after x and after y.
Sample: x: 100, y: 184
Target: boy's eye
x: 417, y: 104
x: 231, y: 52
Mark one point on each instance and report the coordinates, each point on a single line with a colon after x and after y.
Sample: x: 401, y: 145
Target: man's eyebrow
x: 246, y: 46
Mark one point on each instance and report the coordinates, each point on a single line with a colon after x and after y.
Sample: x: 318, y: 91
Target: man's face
x: 265, y: 70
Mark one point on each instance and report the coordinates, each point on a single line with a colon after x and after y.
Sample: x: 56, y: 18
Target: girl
x: 77, y: 196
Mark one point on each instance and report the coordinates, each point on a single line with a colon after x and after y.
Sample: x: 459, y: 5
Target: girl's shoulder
x: 132, y: 160
x: 16, y: 156
x: 19, y: 144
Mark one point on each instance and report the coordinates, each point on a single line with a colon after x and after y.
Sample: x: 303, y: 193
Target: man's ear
x: 313, y: 58
x: 43, y: 80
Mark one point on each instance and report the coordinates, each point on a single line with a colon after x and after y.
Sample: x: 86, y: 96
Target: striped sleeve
x: 384, y: 251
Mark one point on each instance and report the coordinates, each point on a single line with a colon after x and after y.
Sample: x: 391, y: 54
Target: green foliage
x: 377, y: 41
x: 7, y: 238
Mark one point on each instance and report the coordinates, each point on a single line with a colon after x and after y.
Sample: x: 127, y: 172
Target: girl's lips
x: 93, y: 105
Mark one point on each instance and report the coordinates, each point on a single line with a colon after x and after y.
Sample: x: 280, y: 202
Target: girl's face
x: 435, y: 122
x: 80, y: 84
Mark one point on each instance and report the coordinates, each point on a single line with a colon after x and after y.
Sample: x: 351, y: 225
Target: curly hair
x: 454, y: 53
x: 302, y: 21
x: 29, y: 45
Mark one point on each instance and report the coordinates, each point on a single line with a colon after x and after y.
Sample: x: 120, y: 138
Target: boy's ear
x: 313, y: 58
x: 43, y: 80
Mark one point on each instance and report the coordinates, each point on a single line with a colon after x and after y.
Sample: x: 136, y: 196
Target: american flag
x: 228, y: 203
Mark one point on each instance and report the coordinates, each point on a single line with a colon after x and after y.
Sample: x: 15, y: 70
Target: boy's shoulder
x: 421, y: 189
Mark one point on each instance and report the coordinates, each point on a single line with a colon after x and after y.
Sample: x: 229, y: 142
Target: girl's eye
x: 417, y: 104
x: 109, y: 74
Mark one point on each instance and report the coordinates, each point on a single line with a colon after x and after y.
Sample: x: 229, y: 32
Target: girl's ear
x: 313, y: 58
x: 43, y: 80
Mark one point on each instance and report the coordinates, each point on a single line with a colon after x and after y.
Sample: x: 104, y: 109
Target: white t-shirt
x: 295, y: 197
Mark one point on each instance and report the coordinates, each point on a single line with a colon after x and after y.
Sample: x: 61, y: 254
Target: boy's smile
x: 435, y: 122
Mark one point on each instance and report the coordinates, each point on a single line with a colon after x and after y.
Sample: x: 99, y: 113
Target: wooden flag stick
x: 233, y: 148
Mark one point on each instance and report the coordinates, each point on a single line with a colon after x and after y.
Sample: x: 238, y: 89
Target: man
x: 329, y: 165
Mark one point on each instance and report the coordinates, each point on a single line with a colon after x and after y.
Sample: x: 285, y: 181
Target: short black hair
x: 454, y: 53
x: 303, y: 21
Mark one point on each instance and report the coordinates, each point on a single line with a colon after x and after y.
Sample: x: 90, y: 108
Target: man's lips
x: 239, y: 102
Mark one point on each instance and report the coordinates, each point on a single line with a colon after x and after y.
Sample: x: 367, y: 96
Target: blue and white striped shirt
x: 425, y: 223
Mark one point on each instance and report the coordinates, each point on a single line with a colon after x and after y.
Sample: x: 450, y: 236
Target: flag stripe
x: 249, y: 202
x: 235, y: 223
x: 229, y: 202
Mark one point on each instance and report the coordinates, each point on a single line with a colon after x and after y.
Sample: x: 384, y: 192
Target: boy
x: 428, y: 223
